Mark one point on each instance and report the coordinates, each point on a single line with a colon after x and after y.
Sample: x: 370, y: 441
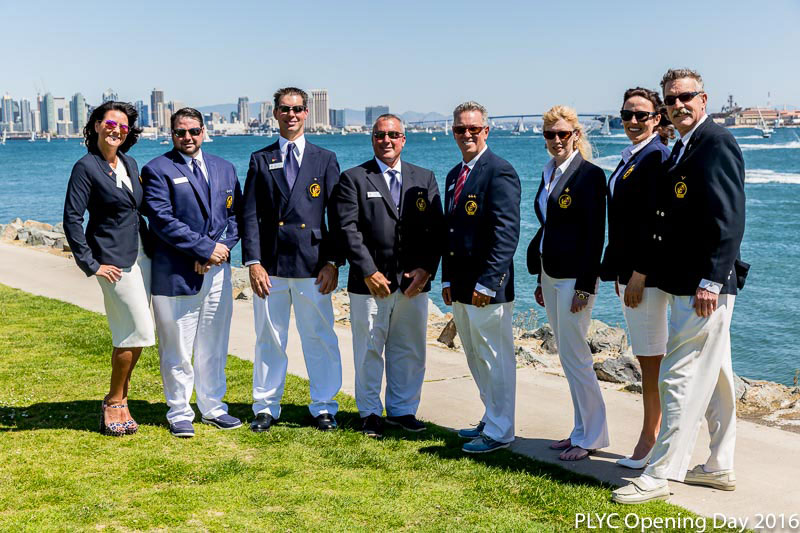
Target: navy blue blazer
x: 704, y: 201
x: 115, y: 222
x: 575, y: 227
x: 482, y: 230
x: 378, y: 236
x: 286, y: 230
x: 185, y: 226
x: 632, y: 212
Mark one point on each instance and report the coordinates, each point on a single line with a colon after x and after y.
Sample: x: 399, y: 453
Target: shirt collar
x: 384, y: 167
x: 474, y: 160
x: 634, y: 149
x: 188, y: 159
x: 685, y: 138
x: 562, y: 167
x: 300, y: 143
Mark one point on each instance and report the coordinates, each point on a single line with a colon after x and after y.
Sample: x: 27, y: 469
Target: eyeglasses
x: 683, y: 97
x: 194, y: 132
x: 563, y: 135
x: 380, y: 135
x: 474, y: 130
x: 641, y: 116
x: 112, y: 124
x: 296, y: 108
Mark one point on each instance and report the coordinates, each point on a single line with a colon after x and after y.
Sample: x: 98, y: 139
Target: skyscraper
x: 109, y: 96
x: 141, y: 110
x: 77, y: 112
x: 321, y: 108
x: 336, y: 117
x: 265, y: 114
x: 48, y: 111
x: 244, y: 110
x: 311, y: 119
x: 7, y: 112
x: 25, y: 113
x: 371, y: 113
x: 156, y: 112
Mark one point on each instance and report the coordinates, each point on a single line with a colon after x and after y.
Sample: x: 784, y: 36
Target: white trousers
x: 590, y: 429
x: 488, y: 339
x: 696, y: 379
x: 313, y: 313
x: 397, y: 325
x: 198, y: 324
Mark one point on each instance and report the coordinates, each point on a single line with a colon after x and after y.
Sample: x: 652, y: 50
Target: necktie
x: 676, y: 152
x: 290, y: 167
x: 462, y: 178
x: 201, y: 179
x: 394, y: 187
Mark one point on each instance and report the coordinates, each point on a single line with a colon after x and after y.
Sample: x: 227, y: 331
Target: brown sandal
x: 562, y: 444
x: 580, y: 456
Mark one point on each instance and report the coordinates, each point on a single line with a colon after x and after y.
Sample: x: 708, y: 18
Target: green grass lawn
x: 58, y: 473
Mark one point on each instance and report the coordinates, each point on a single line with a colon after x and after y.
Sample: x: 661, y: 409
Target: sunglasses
x: 112, y: 124
x: 474, y: 130
x: 296, y: 108
x: 380, y: 135
x: 194, y: 132
x: 563, y: 135
x: 641, y: 116
x: 683, y: 97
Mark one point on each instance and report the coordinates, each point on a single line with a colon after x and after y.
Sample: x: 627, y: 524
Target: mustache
x: 680, y: 112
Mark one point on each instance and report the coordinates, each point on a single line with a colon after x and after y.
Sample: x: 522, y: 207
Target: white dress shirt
x: 122, y: 175
x: 548, y: 187
x: 627, y: 155
x: 299, y: 148
x: 196, y: 157
x: 385, y: 171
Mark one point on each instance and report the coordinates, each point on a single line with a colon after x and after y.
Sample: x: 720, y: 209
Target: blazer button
x: 659, y: 237
x: 658, y: 212
x: 280, y: 223
x: 662, y: 213
x: 302, y: 225
x: 655, y: 236
x: 452, y: 253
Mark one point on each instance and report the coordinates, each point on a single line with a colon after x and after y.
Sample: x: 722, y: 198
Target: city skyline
x: 534, y: 56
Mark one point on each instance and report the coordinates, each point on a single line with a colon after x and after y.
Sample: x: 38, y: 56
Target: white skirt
x: 647, y: 323
x: 127, y: 305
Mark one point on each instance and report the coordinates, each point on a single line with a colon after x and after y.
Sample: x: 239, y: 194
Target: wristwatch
x: 582, y: 295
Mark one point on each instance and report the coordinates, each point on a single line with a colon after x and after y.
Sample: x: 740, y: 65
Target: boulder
x: 546, y: 336
x: 433, y: 310
x: 633, y: 387
x: 10, y: 230
x: 448, y: 334
x: 246, y: 294
x: 528, y: 357
x: 605, y: 338
x: 38, y: 237
x: 18, y: 221
x: 23, y: 235
x: 740, y: 387
x: 766, y: 396
x: 35, y: 224
x: 618, y: 370
x: 59, y: 228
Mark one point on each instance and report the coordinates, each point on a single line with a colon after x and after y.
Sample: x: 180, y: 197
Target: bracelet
x: 582, y: 295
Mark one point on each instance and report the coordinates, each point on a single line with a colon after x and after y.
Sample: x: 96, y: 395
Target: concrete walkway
x: 767, y: 459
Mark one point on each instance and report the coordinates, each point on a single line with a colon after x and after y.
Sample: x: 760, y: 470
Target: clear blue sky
x: 515, y: 56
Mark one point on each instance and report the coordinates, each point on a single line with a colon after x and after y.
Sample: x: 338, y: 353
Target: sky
x: 511, y: 56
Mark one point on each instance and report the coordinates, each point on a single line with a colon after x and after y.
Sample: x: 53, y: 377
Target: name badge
x: 273, y: 166
x: 373, y: 194
x: 182, y: 179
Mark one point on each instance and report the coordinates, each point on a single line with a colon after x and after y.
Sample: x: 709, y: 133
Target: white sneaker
x: 722, y: 480
x: 637, y: 492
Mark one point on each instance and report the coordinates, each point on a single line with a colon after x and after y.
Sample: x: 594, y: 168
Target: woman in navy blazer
x: 565, y: 253
x: 106, y: 183
x: 629, y: 256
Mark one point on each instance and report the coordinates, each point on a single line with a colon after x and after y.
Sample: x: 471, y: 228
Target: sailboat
x: 536, y: 129
x: 519, y: 129
x: 3, y: 140
x: 446, y: 127
x: 344, y: 132
x: 206, y: 137
x: 48, y: 137
x: 605, y: 130
x: 33, y: 137
x: 763, y: 127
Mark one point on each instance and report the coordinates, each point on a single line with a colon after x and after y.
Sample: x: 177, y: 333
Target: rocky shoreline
x: 762, y: 401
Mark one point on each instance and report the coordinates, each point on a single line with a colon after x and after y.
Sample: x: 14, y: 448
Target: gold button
x: 302, y: 225
x: 452, y: 253
x: 280, y: 223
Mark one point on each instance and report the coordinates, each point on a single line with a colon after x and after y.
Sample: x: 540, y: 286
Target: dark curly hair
x: 99, y: 112
x: 647, y: 94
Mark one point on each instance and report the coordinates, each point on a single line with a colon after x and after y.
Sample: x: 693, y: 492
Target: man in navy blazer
x: 482, y: 199
x: 698, y: 238
x: 293, y: 259
x: 191, y: 200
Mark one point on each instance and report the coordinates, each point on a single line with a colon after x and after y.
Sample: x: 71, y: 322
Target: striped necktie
x: 462, y: 179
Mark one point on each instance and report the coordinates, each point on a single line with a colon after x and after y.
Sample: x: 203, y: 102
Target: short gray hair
x: 387, y: 116
x: 680, y: 73
x: 471, y: 106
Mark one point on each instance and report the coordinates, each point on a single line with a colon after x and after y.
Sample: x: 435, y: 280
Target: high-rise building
x: 371, y: 113
x: 7, y: 112
x: 48, y: 111
x: 63, y: 120
x: 265, y: 117
x: 141, y: 110
x: 25, y: 115
x: 109, y: 96
x: 234, y: 116
x: 156, y: 112
x: 336, y: 117
x: 36, y: 120
x: 243, y: 109
x: 322, y: 120
x: 311, y: 118
x: 77, y: 112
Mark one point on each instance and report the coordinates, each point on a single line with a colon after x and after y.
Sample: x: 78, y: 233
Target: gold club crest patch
x: 564, y: 201
x: 628, y: 172
x: 422, y: 205
x: 680, y: 189
x: 228, y: 202
x: 314, y: 189
x: 471, y: 207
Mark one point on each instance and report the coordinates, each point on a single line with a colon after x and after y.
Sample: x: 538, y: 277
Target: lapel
x: 106, y: 169
x: 693, y: 141
x: 536, y: 201
x: 450, y: 187
x: 136, y: 193
x: 186, y: 170
x: 406, y: 174
x: 473, y: 178
x: 375, y: 177
x: 305, y: 174
x: 273, y: 155
x: 213, y: 179
x: 565, y: 181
